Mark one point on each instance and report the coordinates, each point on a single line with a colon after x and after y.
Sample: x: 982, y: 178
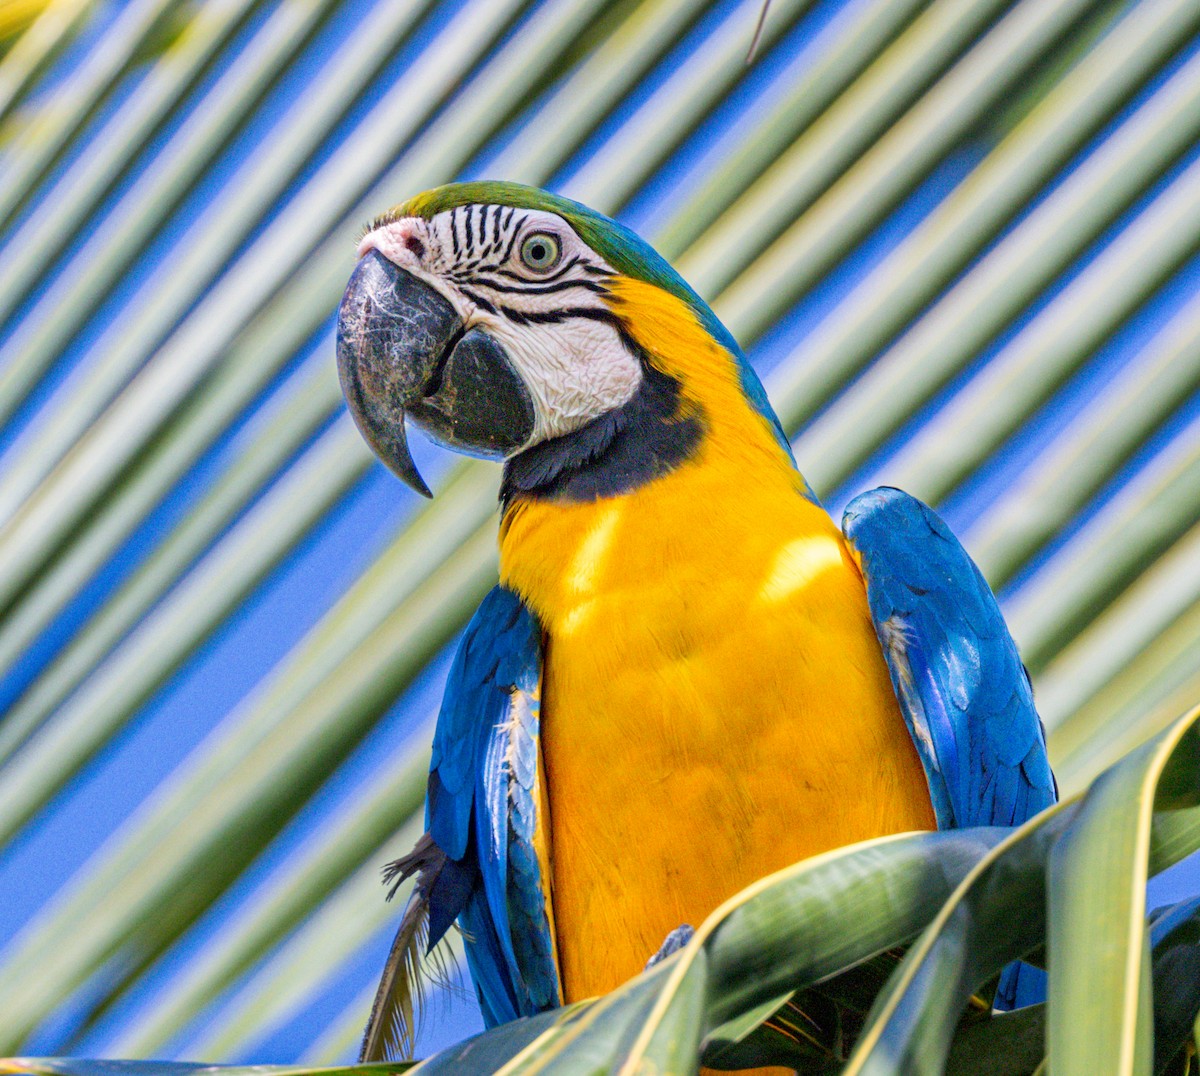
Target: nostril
x: 415, y: 245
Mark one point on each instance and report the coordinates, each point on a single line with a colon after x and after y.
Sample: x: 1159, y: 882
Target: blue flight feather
x: 481, y: 811
x: 955, y: 668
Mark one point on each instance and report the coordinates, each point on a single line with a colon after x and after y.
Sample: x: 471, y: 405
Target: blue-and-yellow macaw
x: 688, y: 677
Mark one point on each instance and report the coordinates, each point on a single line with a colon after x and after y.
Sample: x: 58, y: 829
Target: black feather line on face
x: 477, y: 299
x: 472, y: 237
x: 493, y: 231
x: 544, y: 289
x: 567, y: 313
x: 512, y: 242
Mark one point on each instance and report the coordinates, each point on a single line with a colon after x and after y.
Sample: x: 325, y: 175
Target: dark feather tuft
x: 379, y: 221
x: 412, y: 963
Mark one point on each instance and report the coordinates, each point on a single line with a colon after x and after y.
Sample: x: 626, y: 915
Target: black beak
x: 401, y: 348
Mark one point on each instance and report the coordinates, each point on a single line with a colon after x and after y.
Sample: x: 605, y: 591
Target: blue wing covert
x: 954, y: 666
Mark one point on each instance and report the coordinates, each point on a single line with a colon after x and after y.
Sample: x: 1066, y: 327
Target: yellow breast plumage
x: 715, y: 702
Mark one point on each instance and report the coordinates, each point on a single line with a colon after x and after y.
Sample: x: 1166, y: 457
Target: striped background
x: 959, y: 239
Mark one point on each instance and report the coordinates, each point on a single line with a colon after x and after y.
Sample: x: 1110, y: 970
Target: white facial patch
x: 525, y: 277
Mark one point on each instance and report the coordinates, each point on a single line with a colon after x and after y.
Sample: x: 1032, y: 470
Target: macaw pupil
x: 540, y: 252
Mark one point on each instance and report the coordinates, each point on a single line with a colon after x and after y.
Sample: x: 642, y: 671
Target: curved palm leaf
x: 977, y: 898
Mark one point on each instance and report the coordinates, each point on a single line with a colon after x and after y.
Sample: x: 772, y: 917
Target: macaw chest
x: 704, y: 728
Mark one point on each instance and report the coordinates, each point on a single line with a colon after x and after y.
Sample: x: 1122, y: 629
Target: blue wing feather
x: 481, y: 811
x: 954, y: 666
x: 487, y: 962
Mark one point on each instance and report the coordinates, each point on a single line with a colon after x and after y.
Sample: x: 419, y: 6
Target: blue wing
x: 477, y: 863
x: 957, y: 675
x: 954, y: 666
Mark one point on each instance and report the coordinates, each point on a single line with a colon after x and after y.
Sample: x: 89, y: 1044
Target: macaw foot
x: 676, y: 940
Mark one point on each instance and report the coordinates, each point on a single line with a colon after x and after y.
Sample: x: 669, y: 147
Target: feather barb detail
x: 395, y: 1014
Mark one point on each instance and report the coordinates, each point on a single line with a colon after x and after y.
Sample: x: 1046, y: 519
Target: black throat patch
x: 643, y: 439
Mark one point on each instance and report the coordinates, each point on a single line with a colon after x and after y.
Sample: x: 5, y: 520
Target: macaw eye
x: 540, y: 252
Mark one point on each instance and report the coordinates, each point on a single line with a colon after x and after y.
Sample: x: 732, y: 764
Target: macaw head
x: 509, y: 322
